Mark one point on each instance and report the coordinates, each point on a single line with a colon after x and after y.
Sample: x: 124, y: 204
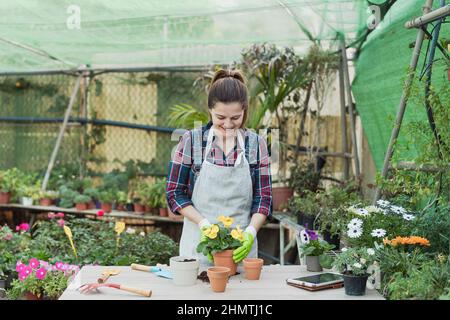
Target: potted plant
x: 306, y: 209
x: 9, y: 182
x: 47, y: 198
x: 142, y: 194
x: 158, y: 197
x: 312, y: 248
x: 28, y: 193
x: 184, y: 270
x: 353, y: 264
x: 93, y: 194
x: 122, y: 200
x: 82, y: 202
x: 219, y: 240
x: 39, y: 281
x: 107, y: 198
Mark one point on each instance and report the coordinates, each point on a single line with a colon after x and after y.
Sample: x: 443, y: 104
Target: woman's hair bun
x: 222, y: 73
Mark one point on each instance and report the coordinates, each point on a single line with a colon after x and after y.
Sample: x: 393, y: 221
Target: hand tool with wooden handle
x: 88, y: 287
x: 156, y: 270
x: 106, y: 274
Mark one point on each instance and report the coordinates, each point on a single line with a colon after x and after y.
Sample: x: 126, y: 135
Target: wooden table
x: 271, y: 286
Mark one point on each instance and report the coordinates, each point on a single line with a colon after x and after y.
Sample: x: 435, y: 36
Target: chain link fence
x: 118, y: 120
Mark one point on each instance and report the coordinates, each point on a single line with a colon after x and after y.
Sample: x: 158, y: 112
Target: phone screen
x: 320, y: 278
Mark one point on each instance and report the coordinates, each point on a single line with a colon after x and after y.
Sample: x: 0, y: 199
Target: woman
x: 221, y: 169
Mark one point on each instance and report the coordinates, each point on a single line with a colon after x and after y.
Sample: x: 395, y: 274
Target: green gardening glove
x: 240, y: 253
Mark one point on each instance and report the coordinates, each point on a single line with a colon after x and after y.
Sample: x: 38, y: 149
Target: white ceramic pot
x: 184, y: 273
x: 27, y: 201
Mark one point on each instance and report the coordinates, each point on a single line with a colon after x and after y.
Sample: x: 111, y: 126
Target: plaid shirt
x: 183, y: 170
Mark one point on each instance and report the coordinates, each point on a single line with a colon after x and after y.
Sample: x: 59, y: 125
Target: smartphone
x: 318, y: 280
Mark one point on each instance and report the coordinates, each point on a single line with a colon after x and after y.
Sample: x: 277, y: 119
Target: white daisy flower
x: 304, y: 237
x: 354, y: 233
x: 379, y: 233
x: 383, y: 203
x: 357, y: 265
x: 142, y: 234
x: 370, y: 252
x: 130, y: 230
x: 363, y: 261
x: 408, y: 217
x: 362, y: 212
x: 355, y: 223
x: 344, y: 249
x: 398, y: 209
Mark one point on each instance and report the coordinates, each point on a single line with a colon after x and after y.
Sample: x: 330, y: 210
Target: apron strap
x: 240, y: 141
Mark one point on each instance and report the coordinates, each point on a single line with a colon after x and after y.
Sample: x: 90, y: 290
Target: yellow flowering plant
x: 219, y: 237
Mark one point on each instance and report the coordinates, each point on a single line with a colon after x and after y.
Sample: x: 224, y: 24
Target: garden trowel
x: 153, y: 269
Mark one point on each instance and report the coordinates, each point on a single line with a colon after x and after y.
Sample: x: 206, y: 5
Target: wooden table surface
x: 271, y: 286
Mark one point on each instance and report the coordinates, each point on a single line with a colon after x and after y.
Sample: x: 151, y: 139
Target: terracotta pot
x: 91, y: 205
x: 5, y: 197
x: 81, y: 206
x: 31, y: 296
x: 252, y: 268
x: 46, y: 202
x: 281, y: 195
x: 163, y: 212
x: 225, y: 259
x: 121, y: 207
x: 138, y: 208
x: 218, y: 277
x: 107, y: 207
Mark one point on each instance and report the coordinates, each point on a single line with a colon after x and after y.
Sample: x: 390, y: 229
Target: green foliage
x: 95, y: 242
x: 81, y: 198
x: 108, y: 196
x: 184, y: 116
x: 12, y: 247
x: 10, y: 180
x: 355, y: 261
x: 315, y: 248
x: 433, y: 223
x: 304, y: 179
x: 430, y: 280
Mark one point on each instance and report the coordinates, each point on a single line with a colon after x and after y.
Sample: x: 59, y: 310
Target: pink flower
x: 20, y: 267
x: 8, y: 237
x: 100, y: 213
x: 27, y: 270
x: 23, y: 276
x: 40, y: 273
x: 51, y: 215
x: 34, y: 263
x: 61, y: 222
x: 23, y: 227
x: 59, y: 265
x: 60, y: 215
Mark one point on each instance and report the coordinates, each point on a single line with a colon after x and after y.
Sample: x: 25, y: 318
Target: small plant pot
x: 313, y: 264
x: 91, y: 205
x: 81, y: 206
x: 218, y: 277
x: 184, y: 270
x: 139, y: 208
x: 31, y: 296
x: 225, y: 259
x: 281, y: 196
x: 252, y: 268
x: 129, y: 207
x: 107, y: 207
x: 5, y: 197
x: 355, y: 285
x: 121, y: 207
x: 26, y: 201
x: 300, y: 217
x: 46, y: 202
x: 163, y: 212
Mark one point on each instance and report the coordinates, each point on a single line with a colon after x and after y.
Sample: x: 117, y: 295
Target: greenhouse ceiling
x: 53, y: 35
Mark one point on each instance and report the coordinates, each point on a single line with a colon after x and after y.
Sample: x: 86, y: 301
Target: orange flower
x: 412, y: 240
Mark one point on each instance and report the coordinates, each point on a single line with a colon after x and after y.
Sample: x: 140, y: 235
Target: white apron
x: 220, y: 190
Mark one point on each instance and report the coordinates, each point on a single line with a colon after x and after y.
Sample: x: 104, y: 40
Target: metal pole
x: 343, y: 119
x: 429, y: 17
x: 61, y: 133
x: 403, y: 101
x: 350, y: 106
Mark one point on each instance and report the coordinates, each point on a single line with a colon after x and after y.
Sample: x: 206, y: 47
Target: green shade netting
x: 151, y: 33
x: 381, y: 69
